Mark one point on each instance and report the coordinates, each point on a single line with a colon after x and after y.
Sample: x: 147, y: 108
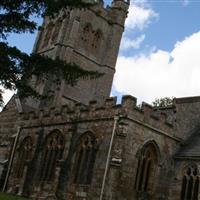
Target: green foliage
x: 163, y: 102
x: 17, y: 67
x: 15, y: 15
x: 4, y: 196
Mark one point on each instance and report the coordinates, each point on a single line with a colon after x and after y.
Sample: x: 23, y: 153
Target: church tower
x: 89, y: 38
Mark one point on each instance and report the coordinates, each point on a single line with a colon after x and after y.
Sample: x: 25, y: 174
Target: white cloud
x: 140, y: 15
x: 161, y: 73
x: 6, y: 95
x: 185, y: 2
x: 128, y: 43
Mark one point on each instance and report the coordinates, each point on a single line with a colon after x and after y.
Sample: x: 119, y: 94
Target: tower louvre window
x: 97, y: 39
x: 86, y: 36
x: 91, y: 39
x: 85, y: 159
x: 24, y: 155
x: 52, y: 152
x: 190, y: 184
x: 147, y: 165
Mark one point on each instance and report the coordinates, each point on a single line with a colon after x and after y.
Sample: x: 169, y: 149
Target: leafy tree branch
x: 163, y: 102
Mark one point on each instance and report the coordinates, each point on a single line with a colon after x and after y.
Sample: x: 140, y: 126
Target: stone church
x: 80, y: 144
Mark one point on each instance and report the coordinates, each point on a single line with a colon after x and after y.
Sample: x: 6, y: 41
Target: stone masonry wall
x: 134, y: 128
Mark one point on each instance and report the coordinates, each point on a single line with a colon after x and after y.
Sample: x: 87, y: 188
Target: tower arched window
x: 85, y: 156
x: 190, y: 184
x: 52, y: 152
x: 47, y: 35
x: 56, y: 31
x: 147, y: 167
x: 96, y: 43
x: 86, y: 36
x: 24, y: 155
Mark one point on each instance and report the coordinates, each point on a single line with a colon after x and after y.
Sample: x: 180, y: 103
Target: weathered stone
x: 70, y: 134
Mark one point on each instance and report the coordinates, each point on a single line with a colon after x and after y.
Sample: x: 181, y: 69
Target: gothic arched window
x: 52, y: 152
x: 86, y: 36
x: 47, y: 34
x: 190, y: 184
x: 24, y: 155
x: 56, y: 30
x: 85, y: 159
x: 147, y: 166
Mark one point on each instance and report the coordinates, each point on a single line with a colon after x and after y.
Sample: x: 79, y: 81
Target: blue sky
x: 175, y: 21
x: 160, y: 50
x: 159, y: 54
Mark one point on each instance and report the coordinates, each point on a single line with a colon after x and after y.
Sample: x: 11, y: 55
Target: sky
x: 159, y: 54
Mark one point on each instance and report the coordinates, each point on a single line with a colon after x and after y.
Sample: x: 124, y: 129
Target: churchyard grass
x: 4, y: 196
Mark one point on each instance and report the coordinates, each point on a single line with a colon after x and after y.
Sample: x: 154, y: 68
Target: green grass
x: 4, y: 196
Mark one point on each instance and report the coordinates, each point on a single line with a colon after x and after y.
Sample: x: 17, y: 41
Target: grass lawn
x: 4, y: 196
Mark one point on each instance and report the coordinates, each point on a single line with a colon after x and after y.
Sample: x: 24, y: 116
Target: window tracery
x: 86, y: 36
x: 97, y: 39
x: 52, y: 152
x: 147, y: 166
x: 85, y: 159
x: 190, y: 184
x: 24, y: 155
x: 91, y: 39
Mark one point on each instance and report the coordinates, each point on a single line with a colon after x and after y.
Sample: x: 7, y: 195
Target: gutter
x: 116, y: 118
x: 11, y: 159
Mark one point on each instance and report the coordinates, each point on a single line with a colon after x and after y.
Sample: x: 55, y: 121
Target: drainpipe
x: 116, y: 118
x: 11, y: 159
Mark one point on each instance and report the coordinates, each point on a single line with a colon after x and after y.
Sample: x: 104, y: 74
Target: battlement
x: 114, y: 14
x: 146, y: 114
x: 121, y: 4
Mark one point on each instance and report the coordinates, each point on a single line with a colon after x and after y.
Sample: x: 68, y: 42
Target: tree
x: 16, y: 67
x: 163, y: 102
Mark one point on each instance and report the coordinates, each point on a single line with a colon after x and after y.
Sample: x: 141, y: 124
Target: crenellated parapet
x: 144, y: 114
x: 116, y: 13
x: 147, y: 114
